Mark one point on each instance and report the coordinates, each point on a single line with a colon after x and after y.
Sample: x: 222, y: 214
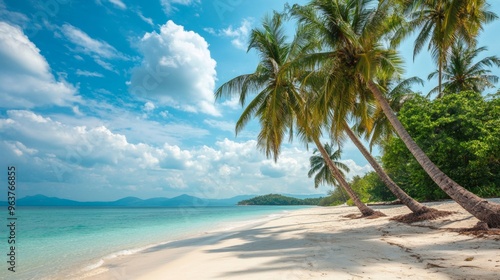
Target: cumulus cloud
x: 149, y: 106
x: 238, y: 35
x: 356, y: 170
x: 177, y: 70
x: 26, y: 80
x: 97, y: 161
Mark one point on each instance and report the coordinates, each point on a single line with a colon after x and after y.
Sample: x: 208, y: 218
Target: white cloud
x: 233, y: 103
x: 356, y: 170
x: 177, y: 70
x: 99, y: 50
x: 168, y: 5
x: 26, y: 80
x: 222, y: 125
x: 119, y: 4
x: 104, y: 64
x: 97, y: 161
x: 12, y: 17
x: 89, y: 45
x: 148, y: 106
x: 164, y: 114
x: 238, y: 35
x: 145, y: 19
x: 64, y: 154
x: 88, y: 73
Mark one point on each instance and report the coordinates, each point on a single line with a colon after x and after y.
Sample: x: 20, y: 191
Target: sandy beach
x: 321, y: 243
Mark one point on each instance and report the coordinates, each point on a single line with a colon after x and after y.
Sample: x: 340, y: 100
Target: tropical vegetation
x: 340, y: 69
x: 460, y: 132
x: 278, y: 199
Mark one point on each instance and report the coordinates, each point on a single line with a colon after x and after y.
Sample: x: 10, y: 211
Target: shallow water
x: 61, y: 240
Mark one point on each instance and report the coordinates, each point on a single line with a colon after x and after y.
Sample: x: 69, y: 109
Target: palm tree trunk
x: 407, y: 200
x: 440, y: 77
x: 365, y: 210
x: 480, y: 208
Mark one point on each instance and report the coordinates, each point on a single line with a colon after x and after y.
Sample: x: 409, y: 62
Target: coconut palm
x: 396, y: 95
x: 319, y: 167
x: 277, y: 103
x: 462, y: 73
x: 442, y: 23
x: 352, y: 32
x: 419, y: 211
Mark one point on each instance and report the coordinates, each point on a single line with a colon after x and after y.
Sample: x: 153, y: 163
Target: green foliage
x: 361, y: 187
x: 376, y: 189
x: 277, y: 199
x: 459, y: 133
x: 334, y: 198
x: 369, y: 188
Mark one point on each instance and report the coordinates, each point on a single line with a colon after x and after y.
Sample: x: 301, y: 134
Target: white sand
x: 318, y: 243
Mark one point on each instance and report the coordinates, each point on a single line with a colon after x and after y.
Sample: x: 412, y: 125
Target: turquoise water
x: 57, y: 240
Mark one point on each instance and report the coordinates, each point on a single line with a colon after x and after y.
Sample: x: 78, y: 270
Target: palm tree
x: 462, y: 73
x: 382, y: 130
x: 352, y: 32
x: 417, y: 208
x: 319, y: 167
x: 420, y: 211
x: 444, y: 22
x: 277, y: 103
x: 396, y: 95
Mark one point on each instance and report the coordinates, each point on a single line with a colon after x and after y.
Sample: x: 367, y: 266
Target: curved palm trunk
x: 440, y: 77
x: 407, y: 200
x: 365, y: 210
x: 480, y: 208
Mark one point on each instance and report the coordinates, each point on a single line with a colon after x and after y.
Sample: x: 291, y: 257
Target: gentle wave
x: 121, y: 253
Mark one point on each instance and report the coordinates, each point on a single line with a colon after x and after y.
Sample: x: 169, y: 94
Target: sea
x: 56, y: 241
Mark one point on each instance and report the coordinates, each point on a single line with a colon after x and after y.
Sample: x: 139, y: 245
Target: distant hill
x: 182, y: 200
x: 277, y: 199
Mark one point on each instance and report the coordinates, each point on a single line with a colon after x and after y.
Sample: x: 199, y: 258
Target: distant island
x: 278, y: 199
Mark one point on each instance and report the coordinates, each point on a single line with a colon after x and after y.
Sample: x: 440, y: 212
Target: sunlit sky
x: 103, y: 99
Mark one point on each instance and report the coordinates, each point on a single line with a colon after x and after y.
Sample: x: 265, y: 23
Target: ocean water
x: 59, y: 241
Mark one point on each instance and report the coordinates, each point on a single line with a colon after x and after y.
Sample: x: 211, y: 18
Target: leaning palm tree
x: 397, y: 92
x: 360, y: 113
x: 278, y: 103
x: 463, y: 73
x: 320, y: 168
x: 352, y: 32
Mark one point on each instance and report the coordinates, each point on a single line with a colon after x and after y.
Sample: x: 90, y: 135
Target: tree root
x: 481, y: 229
x: 430, y: 214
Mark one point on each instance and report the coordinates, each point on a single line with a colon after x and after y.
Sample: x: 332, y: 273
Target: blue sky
x: 104, y: 99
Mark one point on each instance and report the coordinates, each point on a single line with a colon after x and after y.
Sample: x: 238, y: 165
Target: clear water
x: 56, y: 240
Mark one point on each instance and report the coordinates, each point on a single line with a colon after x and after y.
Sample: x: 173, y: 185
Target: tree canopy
x: 460, y: 133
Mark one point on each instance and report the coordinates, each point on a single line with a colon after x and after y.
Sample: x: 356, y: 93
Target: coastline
x: 321, y: 243
x: 215, y: 225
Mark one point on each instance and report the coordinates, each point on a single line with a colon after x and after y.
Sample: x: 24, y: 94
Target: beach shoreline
x: 322, y: 243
